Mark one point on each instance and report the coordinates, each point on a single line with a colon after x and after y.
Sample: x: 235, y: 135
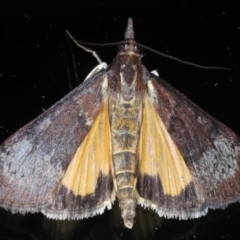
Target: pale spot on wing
x: 19, y: 152
x: 105, y: 88
x: 220, y: 161
x: 88, y: 120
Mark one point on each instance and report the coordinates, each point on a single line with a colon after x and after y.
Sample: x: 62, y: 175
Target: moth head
x: 129, y: 45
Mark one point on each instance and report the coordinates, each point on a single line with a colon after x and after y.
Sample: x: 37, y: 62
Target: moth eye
x: 136, y: 48
x: 121, y: 47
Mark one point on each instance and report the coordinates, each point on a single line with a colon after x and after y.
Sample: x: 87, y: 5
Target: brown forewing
x: 210, y: 150
x: 34, y: 159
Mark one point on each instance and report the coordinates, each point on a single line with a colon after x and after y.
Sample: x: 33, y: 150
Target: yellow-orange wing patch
x: 159, y: 155
x: 163, y: 174
x: 92, y: 159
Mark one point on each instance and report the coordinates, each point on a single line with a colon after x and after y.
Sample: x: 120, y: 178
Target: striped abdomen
x: 125, y: 127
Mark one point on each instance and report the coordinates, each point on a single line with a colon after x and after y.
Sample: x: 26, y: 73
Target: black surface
x: 39, y: 65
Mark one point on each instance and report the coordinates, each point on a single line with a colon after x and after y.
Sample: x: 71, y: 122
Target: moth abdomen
x: 128, y: 211
x: 125, y: 165
x: 125, y: 172
x: 125, y: 129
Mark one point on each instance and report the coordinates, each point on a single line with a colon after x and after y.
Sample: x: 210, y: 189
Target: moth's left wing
x: 59, y: 164
x: 189, y: 161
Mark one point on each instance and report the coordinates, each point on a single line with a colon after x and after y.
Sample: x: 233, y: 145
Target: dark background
x: 39, y: 65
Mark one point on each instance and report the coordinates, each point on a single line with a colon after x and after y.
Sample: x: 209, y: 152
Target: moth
x: 124, y: 133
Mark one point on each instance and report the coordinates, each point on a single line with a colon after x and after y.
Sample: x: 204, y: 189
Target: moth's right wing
x: 59, y: 164
x: 189, y: 161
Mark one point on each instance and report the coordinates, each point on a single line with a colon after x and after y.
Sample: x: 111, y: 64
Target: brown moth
x: 123, y: 133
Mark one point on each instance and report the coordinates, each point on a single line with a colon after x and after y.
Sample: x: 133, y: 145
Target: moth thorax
x: 128, y: 211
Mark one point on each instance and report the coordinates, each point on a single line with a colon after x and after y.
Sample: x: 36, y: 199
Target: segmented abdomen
x: 125, y: 127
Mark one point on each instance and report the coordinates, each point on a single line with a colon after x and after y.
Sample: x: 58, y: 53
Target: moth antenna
x: 83, y: 47
x: 129, y: 35
x: 101, y: 44
x: 179, y: 60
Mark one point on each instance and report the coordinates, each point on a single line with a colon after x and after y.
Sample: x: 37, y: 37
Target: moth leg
x: 83, y: 47
x: 155, y: 72
x: 97, y: 69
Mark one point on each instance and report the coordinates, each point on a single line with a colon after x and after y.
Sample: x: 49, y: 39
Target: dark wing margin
x: 34, y: 159
x: 210, y: 150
